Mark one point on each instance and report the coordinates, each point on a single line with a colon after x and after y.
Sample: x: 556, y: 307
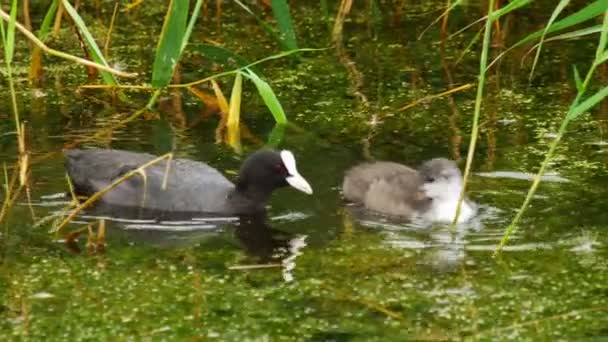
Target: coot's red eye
x: 280, y: 169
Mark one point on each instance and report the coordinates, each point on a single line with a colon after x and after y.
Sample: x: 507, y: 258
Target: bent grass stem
x: 61, y: 54
x: 96, y: 196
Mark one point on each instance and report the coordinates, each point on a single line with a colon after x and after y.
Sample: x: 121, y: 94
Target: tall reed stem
x: 570, y: 115
x: 483, y: 61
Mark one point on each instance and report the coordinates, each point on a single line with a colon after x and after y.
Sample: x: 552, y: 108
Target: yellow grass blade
x: 234, y: 114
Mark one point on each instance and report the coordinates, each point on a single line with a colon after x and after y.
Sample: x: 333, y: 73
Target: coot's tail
x: 76, y: 172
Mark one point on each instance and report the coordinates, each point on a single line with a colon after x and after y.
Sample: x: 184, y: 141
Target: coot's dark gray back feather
x: 192, y: 186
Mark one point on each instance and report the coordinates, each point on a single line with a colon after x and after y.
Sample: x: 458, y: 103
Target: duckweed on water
x: 189, y: 293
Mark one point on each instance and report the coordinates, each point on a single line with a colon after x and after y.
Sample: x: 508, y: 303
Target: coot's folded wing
x: 94, y: 169
x: 190, y: 186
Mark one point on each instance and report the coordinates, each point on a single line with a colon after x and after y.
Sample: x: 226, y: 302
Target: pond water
x: 313, y: 268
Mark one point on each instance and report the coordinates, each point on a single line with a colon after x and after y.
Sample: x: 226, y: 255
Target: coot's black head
x: 267, y: 170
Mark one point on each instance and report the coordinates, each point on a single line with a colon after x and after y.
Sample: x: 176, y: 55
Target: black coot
x: 191, y: 187
x: 431, y: 192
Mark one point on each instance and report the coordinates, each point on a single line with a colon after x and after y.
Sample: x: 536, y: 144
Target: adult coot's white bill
x: 192, y: 186
x: 431, y: 192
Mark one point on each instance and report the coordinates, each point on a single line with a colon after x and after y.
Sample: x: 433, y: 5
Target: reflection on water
x: 266, y: 247
x: 442, y: 247
x: 546, y: 177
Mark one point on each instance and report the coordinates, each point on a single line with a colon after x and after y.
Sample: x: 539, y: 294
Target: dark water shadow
x: 134, y: 225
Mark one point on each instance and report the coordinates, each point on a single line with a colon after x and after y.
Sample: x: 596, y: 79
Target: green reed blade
x: 223, y: 56
x: 576, y: 109
x: 589, y: 12
x: 603, y: 58
x: 91, y: 44
x: 264, y: 24
x: 510, y: 7
x: 576, y: 34
x: 193, y: 17
x: 280, y: 8
x: 9, y: 48
x: 558, y: 9
x: 3, y: 36
x: 564, y: 36
x: 45, y: 28
x: 269, y: 97
x: 588, y: 103
x: 603, y: 36
x: 8, y: 42
x: 170, y: 42
x: 481, y: 77
x: 276, y: 135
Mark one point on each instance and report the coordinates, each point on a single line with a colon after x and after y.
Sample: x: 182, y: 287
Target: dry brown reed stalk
x: 444, y: 15
x: 11, y: 190
x: 106, y: 44
x: 35, y: 73
x: 58, y: 16
x: 177, y: 107
x: 355, y: 76
x: 224, y: 109
x: 497, y: 28
x: 444, y: 23
x: 132, y: 5
x: 96, y: 196
x: 91, y: 71
x: 434, y: 96
x: 27, y: 20
x: 8, y: 186
x: 91, y: 244
x: 100, y: 239
x: 29, y: 35
x: 71, y: 188
x: 117, y: 86
x: 73, y: 235
x: 211, y: 107
x: 28, y: 195
x: 218, y: 15
x: 23, y: 155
